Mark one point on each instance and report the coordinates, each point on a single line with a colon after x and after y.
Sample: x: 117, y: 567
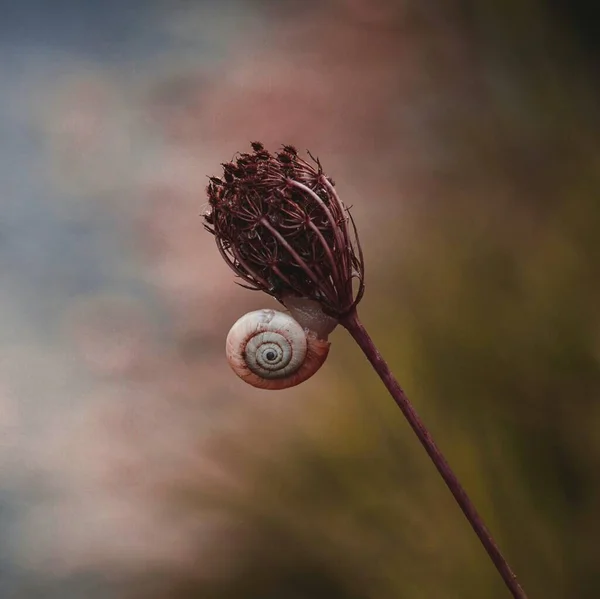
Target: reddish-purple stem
x: 352, y: 323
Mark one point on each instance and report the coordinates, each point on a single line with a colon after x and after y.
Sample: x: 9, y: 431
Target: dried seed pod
x: 299, y: 239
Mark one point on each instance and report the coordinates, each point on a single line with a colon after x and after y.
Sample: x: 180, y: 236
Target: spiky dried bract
x: 281, y: 226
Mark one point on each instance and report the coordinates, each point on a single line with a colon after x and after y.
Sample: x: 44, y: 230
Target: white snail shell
x: 270, y: 350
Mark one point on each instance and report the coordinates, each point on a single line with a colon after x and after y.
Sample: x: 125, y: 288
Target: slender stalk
x: 352, y: 323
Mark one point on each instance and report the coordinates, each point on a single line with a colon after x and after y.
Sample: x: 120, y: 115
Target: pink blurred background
x: 131, y: 458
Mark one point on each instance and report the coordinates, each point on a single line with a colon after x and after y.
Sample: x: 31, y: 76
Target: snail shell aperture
x: 270, y: 350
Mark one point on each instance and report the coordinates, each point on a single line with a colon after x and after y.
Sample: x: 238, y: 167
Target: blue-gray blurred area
x: 53, y: 251
x: 133, y: 464
x: 45, y: 251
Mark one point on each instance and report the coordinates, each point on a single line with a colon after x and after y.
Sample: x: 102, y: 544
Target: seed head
x: 281, y: 226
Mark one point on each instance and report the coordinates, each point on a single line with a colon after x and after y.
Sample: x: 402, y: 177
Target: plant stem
x: 352, y: 323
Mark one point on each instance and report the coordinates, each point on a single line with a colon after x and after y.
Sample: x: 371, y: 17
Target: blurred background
x: 134, y: 464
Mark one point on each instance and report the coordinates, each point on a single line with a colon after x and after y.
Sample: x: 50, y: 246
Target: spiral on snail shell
x: 271, y: 350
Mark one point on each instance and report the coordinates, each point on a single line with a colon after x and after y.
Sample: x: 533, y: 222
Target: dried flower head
x: 281, y: 226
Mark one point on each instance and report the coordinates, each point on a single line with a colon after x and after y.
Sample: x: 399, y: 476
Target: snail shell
x: 270, y: 350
